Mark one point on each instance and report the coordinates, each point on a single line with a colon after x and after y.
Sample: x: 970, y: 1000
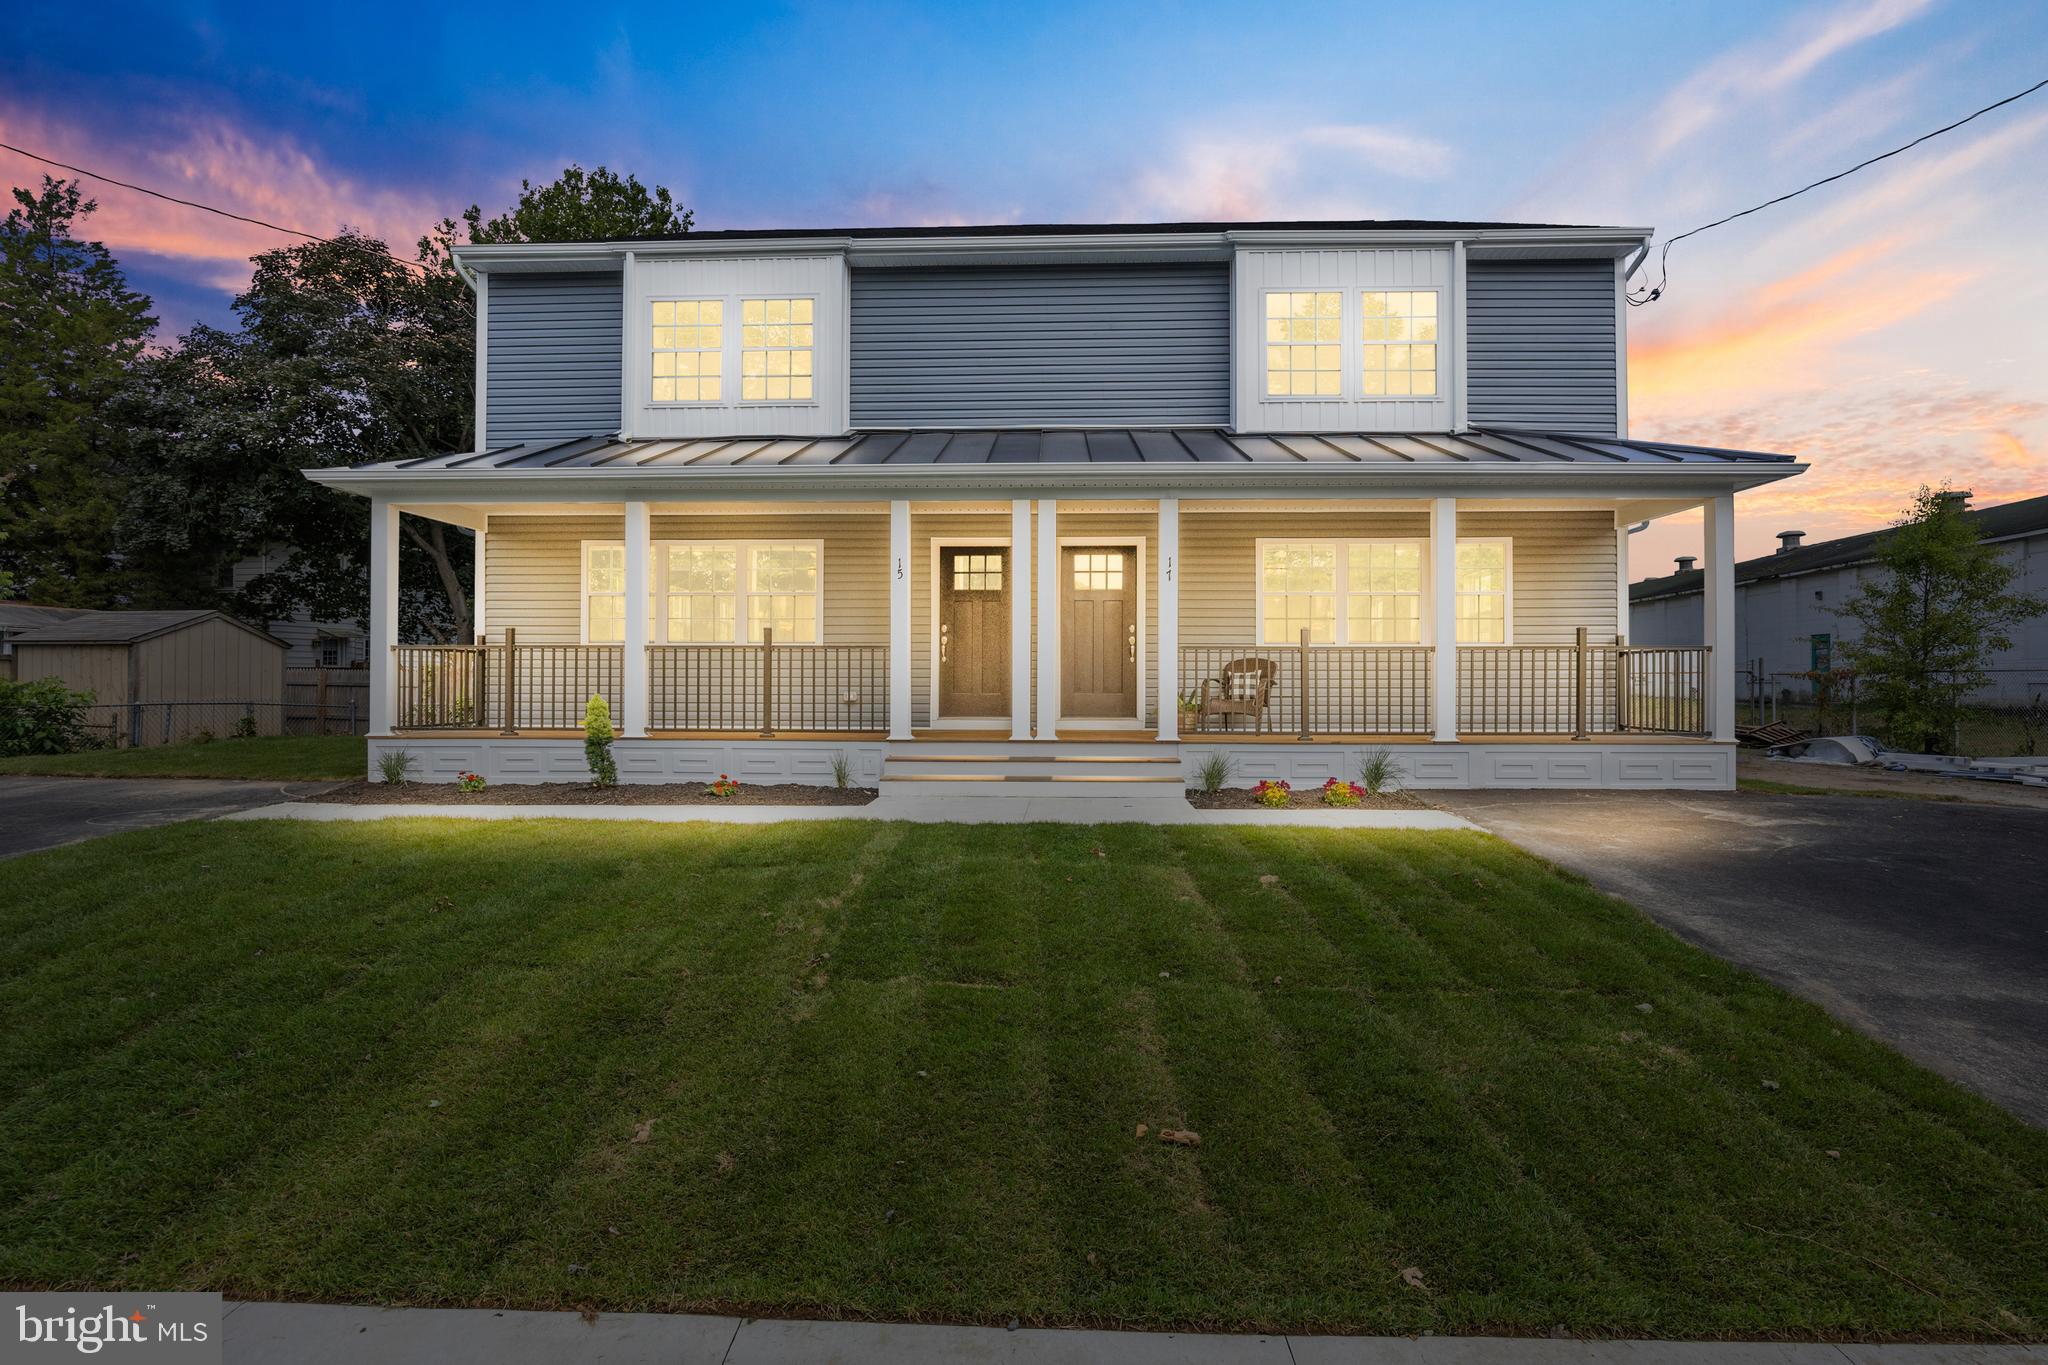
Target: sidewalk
x: 919, y: 810
x: 320, y: 1334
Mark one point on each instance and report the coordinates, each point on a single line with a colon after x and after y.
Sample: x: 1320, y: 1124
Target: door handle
x: 1131, y: 640
x: 945, y: 640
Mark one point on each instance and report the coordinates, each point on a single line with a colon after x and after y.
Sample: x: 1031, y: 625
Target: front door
x: 974, y: 631
x: 1099, y: 632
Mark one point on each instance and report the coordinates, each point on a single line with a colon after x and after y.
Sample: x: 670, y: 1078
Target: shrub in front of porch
x: 597, y: 743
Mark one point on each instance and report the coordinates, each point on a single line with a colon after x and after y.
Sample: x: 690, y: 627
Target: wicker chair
x: 1244, y: 688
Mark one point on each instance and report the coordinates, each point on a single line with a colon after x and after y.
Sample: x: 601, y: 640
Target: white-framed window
x: 1485, y: 585
x: 1376, y: 592
x: 1304, y: 343
x: 777, y: 350
x: 687, y: 350
x: 1397, y: 343
x: 710, y: 592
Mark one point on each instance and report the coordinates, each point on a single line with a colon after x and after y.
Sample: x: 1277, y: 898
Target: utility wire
x: 1638, y: 299
x: 383, y: 251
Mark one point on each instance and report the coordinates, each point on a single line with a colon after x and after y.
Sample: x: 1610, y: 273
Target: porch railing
x: 1315, y: 690
x: 759, y: 689
x: 1581, y: 689
x: 768, y: 688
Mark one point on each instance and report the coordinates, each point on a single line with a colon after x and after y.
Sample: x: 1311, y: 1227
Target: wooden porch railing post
x: 480, y: 686
x: 1302, y: 690
x: 767, y: 682
x: 1621, y: 683
x: 511, y: 726
x: 1580, y: 685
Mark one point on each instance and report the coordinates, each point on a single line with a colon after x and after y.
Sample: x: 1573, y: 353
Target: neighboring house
x: 308, y: 643
x: 157, y: 676
x: 1060, y: 509
x: 1786, y: 603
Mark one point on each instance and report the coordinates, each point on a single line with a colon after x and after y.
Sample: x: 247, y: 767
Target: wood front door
x: 1099, y: 631
x: 974, y: 631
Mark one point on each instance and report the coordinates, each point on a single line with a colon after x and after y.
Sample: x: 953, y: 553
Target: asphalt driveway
x: 42, y: 812
x: 1923, y: 923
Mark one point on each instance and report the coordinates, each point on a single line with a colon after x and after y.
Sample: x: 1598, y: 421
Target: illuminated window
x: 688, y: 350
x: 1383, y: 593
x: 1297, y: 592
x: 783, y: 593
x: 1099, y: 571
x: 1398, y: 342
x: 604, y: 594
x: 1482, y: 609
x: 775, y: 350
x: 977, y: 573
x: 702, y: 593
x: 1304, y: 344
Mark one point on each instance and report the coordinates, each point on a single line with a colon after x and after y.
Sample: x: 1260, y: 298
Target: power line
x: 385, y: 252
x: 1664, y: 257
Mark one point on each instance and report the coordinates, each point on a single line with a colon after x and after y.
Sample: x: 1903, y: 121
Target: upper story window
x: 1305, y: 343
x: 1397, y: 343
x: 776, y: 350
x: 688, y: 350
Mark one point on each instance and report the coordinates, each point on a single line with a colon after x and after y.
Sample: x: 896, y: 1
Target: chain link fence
x: 1841, y: 706
x: 145, y: 724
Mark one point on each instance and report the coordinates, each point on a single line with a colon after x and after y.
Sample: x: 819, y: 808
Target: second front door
x: 974, y: 631
x: 1099, y: 632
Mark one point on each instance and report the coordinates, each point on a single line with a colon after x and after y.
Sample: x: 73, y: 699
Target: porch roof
x: 1499, y: 448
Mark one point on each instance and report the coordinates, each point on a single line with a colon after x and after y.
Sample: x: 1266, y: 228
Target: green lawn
x: 309, y: 758
x: 898, y: 1071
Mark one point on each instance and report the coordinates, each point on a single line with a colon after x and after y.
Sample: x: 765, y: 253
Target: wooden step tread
x: 1016, y: 777
x: 1031, y: 758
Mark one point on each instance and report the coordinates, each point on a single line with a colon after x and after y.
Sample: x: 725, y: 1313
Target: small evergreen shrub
x: 597, y: 744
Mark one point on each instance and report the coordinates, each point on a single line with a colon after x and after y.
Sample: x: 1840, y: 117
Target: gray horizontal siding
x: 1539, y: 346
x: 1002, y: 346
x: 553, y: 359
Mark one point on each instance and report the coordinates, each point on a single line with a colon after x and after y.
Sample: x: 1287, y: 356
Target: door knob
x: 1131, y: 640
x: 945, y: 641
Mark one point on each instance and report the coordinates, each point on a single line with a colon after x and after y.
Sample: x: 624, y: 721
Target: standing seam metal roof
x: 1497, y: 446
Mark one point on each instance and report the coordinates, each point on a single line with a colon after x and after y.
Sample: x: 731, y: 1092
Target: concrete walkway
x: 920, y: 810
x: 44, y: 812
x: 319, y: 1334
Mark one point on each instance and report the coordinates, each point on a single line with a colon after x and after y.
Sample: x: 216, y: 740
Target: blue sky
x: 1889, y: 328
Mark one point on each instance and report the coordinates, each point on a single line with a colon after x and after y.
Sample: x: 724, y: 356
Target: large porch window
x: 1371, y: 592
x: 710, y: 592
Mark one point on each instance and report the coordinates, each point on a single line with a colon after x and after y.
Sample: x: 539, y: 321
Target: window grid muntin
x: 977, y: 572
x: 1357, y: 561
x: 1483, y: 607
x: 747, y: 614
x: 778, y: 350
x: 1099, y: 571
x: 1304, y: 343
x: 686, y: 359
x: 1399, y: 339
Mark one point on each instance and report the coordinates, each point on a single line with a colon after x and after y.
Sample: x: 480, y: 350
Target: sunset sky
x: 1890, y: 329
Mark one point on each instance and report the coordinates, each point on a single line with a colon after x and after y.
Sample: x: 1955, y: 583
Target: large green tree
x: 1939, y: 607
x: 70, y: 328
x: 341, y: 355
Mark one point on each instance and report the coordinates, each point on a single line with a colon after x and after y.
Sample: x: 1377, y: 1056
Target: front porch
x: 1294, y: 635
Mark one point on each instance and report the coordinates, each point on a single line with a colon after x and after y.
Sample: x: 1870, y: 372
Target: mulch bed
x: 583, y: 794
x: 1304, y: 798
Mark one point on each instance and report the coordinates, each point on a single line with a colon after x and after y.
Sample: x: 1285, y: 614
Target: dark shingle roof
x: 1497, y: 446
x: 124, y: 627
x: 1993, y: 523
x: 1101, y: 229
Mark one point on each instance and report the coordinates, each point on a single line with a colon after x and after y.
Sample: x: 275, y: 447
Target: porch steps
x: 1116, y: 771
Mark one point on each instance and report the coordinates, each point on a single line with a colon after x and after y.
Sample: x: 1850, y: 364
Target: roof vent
x: 1686, y: 562
x: 1788, y: 541
x: 1955, y: 499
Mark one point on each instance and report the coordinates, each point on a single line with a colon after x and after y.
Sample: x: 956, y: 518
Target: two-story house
x: 985, y: 509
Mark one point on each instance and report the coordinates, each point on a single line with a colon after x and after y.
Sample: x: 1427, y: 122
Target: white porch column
x: 1020, y: 619
x: 1720, y: 615
x: 1169, y: 620
x: 1621, y: 612
x: 383, y: 615
x: 899, y: 619
x: 477, y: 586
x: 1048, y: 618
x: 635, y: 707
x: 1443, y: 604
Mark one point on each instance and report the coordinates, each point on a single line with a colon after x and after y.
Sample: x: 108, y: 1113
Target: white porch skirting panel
x: 526, y: 761
x: 1591, y: 765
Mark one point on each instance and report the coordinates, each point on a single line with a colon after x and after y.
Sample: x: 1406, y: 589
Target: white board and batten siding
x: 821, y: 278
x: 1350, y: 272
